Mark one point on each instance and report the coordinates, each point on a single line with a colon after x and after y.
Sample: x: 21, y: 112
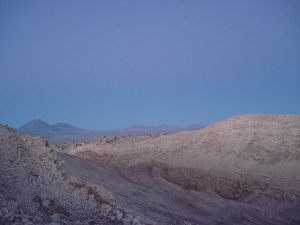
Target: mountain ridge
x: 62, y: 131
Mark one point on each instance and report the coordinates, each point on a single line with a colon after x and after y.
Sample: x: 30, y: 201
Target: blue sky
x: 109, y: 64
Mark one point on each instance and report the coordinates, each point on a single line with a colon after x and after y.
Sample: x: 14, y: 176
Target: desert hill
x: 244, y: 170
x: 34, y: 189
x: 249, y: 163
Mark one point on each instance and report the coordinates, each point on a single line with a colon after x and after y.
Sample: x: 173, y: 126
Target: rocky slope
x: 36, y: 190
x: 245, y: 170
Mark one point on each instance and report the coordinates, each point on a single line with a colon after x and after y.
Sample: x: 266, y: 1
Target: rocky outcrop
x: 35, y: 190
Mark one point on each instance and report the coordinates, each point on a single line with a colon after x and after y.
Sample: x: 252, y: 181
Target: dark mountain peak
x: 62, y: 124
x: 38, y: 120
x: 62, y: 131
x: 55, y: 133
x: 36, y: 127
x: 36, y: 123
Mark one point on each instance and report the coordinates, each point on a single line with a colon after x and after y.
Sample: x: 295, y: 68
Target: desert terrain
x: 243, y: 170
x: 59, y: 133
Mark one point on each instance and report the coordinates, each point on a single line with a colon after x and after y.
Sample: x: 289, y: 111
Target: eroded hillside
x: 36, y: 190
x: 244, y: 170
x: 246, y: 164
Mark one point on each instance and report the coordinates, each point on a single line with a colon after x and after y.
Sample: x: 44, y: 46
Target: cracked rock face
x: 244, y: 170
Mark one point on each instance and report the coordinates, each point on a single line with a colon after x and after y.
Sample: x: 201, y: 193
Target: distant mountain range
x: 62, y: 132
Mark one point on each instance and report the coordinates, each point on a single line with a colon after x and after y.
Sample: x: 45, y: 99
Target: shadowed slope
x: 34, y: 189
x: 238, y: 170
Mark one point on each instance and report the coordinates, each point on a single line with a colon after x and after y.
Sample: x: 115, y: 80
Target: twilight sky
x: 108, y: 64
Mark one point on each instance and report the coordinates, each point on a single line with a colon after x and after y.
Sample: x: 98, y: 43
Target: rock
x: 53, y: 223
x: 119, y: 215
x: 105, y: 209
x: 136, y: 221
x: 46, y: 203
x: 55, y: 217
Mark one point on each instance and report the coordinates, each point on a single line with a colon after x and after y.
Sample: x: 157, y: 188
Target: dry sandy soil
x: 244, y: 170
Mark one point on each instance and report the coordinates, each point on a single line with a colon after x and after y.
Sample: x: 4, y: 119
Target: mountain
x: 62, y: 132
x: 37, y: 127
x: 243, y: 170
x: 65, y: 127
x: 57, y: 133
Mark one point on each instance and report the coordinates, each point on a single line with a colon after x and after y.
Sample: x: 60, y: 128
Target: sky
x: 108, y: 64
